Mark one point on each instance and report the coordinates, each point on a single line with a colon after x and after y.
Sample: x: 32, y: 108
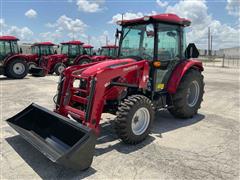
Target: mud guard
x: 61, y: 140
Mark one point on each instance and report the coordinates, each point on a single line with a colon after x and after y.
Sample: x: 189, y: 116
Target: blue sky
x: 94, y: 19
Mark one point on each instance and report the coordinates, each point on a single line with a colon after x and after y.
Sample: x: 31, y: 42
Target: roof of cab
x: 73, y: 42
x: 44, y: 44
x: 110, y: 46
x: 168, y: 18
x: 8, y: 38
x: 87, y: 46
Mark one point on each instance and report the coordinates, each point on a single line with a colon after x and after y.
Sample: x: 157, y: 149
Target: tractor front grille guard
x: 74, y: 97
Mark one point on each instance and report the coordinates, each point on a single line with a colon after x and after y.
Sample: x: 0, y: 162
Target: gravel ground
x: 204, y: 147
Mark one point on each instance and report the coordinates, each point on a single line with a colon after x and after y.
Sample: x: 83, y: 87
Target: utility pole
x: 211, y: 45
x: 89, y: 39
x: 106, y: 40
x: 209, y: 31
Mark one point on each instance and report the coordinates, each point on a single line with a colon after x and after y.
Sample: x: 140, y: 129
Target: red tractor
x: 153, y: 71
x: 109, y: 51
x: 45, y: 60
x: 13, y: 64
x: 88, y: 49
x: 72, y: 53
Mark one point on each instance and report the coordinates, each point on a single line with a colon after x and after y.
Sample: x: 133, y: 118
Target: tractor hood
x: 92, y: 70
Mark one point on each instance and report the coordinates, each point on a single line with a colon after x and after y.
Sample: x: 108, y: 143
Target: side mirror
x: 118, y: 33
x: 20, y: 50
x: 191, y: 51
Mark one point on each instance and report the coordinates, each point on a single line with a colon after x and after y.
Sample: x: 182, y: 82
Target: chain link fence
x: 221, y: 61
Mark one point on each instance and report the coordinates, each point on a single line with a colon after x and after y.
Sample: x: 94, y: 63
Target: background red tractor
x: 13, y: 64
x: 88, y: 49
x: 109, y: 51
x: 45, y: 60
x: 153, y: 71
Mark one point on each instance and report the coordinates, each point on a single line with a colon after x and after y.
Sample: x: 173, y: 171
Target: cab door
x: 5, y: 50
x: 169, y: 53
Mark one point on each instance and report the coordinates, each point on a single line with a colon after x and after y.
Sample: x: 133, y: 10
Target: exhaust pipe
x: 61, y: 140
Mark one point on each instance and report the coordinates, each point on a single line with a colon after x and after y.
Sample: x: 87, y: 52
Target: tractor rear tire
x: 187, y: 100
x: 59, y: 68
x: 84, y: 61
x: 134, y: 119
x: 16, y: 69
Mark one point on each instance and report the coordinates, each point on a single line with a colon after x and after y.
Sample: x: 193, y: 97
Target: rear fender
x: 180, y: 71
x: 16, y: 56
x: 80, y: 57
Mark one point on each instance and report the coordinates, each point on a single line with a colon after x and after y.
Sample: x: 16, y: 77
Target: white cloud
x: 23, y: 33
x: 233, y: 7
x: 197, y: 12
x: 90, y: 6
x: 64, y: 25
x: 162, y: 3
x: 31, y: 13
x: 129, y: 15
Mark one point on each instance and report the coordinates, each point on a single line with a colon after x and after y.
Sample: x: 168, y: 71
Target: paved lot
x: 205, y: 147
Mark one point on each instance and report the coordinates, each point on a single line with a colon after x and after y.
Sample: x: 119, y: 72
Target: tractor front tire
x: 134, y: 119
x: 16, y: 69
x: 84, y: 61
x: 187, y: 100
x: 59, y: 68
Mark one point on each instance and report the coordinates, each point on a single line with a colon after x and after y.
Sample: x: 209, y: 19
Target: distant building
x: 26, y: 48
x: 231, y: 52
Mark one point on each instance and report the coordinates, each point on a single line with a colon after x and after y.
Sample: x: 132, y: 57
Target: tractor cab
x: 42, y: 49
x: 8, y: 46
x: 87, y: 49
x: 72, y: 49
x: 109, y: 51
x: 161, y: 40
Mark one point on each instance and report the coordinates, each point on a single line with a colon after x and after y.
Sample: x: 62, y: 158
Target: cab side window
x: 168, y: 43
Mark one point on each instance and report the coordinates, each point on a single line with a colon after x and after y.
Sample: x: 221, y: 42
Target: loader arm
x: 99, y: 85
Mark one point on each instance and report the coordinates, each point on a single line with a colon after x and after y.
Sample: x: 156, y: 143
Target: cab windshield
x: 42, y: 50
x: 138, y: 41
x: 112, y: 52
x: 87, y: 51
x: 71, y: 50
x: 46, y: 50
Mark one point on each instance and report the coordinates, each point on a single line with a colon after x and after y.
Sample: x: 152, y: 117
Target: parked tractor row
x: 153, y: 70
x: 44, y: 60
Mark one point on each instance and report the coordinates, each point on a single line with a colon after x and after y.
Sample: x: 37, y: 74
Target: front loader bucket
x: 61, y: 140
x: 37, y: 72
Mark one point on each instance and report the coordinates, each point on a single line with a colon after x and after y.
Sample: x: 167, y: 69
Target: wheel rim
x: 193, y: 94
x: 31, y: 66
x: 18, y: 68
x: 60, y: 69
x: 140, y: 121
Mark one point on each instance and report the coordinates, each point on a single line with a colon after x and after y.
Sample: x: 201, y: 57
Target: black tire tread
x: 123, y: 119
x: 178, y: 110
